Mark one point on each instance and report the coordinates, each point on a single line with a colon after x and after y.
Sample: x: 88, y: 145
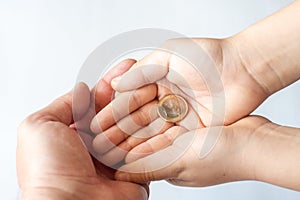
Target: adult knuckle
x: 30, y: 121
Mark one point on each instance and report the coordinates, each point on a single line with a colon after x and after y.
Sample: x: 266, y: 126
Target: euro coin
x: 172, y: 108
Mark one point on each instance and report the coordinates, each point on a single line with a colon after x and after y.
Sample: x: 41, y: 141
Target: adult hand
x: 52, y: 161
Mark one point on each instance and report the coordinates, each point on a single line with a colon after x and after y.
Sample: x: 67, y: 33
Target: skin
x: 248, y: 148
x: 252, y: 65
x: 52, y: 161
x: 251, y: 149
x: 198, y: 97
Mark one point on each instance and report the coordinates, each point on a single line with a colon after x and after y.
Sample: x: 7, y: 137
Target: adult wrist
x: 54, y: 188
x: 46, y: 194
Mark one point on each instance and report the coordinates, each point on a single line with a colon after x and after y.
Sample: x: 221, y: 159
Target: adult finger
x: 103, y: 91
x: 101, y: 94
x: 61, y: 109
x: 121, y: 106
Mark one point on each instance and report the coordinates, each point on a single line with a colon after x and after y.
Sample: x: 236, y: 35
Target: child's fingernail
x: 115, y: 81
x: 94, y: 125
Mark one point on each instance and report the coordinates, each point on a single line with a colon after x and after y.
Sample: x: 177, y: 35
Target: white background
x: 44, y: 43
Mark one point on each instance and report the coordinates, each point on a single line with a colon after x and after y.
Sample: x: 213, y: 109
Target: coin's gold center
x: 172, y: 108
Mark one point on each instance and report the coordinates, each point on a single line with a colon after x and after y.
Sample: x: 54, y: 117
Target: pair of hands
x: 206, y: 147
x: 236, y: 146
x: 53, y: 163
x: 129, y: 128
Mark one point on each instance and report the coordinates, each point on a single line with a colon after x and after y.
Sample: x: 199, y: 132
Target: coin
x: 172, y: 108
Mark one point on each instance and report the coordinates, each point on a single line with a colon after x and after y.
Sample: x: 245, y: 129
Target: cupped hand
x: 215, y: 83
x: 252, y: 148
x: 204, y: 71
x: 53, y: 162
x: 233, y: 158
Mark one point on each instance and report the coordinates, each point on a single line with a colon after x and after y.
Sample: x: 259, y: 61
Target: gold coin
x: 172, y: 108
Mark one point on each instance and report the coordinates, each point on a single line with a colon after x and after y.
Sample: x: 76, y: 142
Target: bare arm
x: 270, y: 49
x: 275, y: 153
